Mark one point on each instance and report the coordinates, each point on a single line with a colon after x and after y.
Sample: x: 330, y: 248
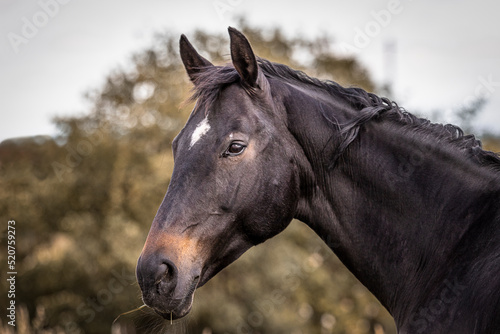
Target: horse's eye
x: 234, y: 149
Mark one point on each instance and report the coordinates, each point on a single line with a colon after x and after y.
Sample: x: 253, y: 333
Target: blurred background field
x: 84, y: 200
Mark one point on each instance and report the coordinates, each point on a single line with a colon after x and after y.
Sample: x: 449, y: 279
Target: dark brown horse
x: 410, y: 207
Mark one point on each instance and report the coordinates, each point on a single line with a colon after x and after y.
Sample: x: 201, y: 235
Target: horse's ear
x: 243, y: 58
x: 192, y: 60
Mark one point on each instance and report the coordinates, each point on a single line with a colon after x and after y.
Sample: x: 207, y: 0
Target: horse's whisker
x: 129, y: 312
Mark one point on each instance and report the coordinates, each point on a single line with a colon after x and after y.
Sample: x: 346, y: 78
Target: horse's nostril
x: 166, y: 278
x: 157, y: 276
x: 168, y: 272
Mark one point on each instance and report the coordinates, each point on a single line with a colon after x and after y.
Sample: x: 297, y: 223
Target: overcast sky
x: 52, y: 51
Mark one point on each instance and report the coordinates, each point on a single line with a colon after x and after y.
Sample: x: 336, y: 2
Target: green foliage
x: 84, y: 201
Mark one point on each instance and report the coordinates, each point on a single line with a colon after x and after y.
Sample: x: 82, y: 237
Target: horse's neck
x: 393, y: 211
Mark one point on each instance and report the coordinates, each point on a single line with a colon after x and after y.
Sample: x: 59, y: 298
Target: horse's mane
x: 209, y: 83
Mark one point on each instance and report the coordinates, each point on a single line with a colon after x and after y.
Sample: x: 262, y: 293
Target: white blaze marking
x: 200, y: 130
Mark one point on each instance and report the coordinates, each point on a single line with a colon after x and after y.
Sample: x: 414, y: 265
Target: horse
x: 412, y: 208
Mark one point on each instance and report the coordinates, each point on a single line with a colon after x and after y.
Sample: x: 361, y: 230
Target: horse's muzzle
x: 162, y: 290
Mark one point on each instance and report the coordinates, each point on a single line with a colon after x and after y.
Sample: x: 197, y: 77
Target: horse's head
x: 235, y: 182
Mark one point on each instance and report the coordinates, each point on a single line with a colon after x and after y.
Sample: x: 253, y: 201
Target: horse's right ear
x: 192, y: 60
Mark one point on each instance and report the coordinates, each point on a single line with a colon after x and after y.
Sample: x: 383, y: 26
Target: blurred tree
x: 84, y: 201
x: 468, y: 112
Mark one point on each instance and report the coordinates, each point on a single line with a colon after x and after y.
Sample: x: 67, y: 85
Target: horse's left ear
x: 244, y: 60
x: 192, y: 60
